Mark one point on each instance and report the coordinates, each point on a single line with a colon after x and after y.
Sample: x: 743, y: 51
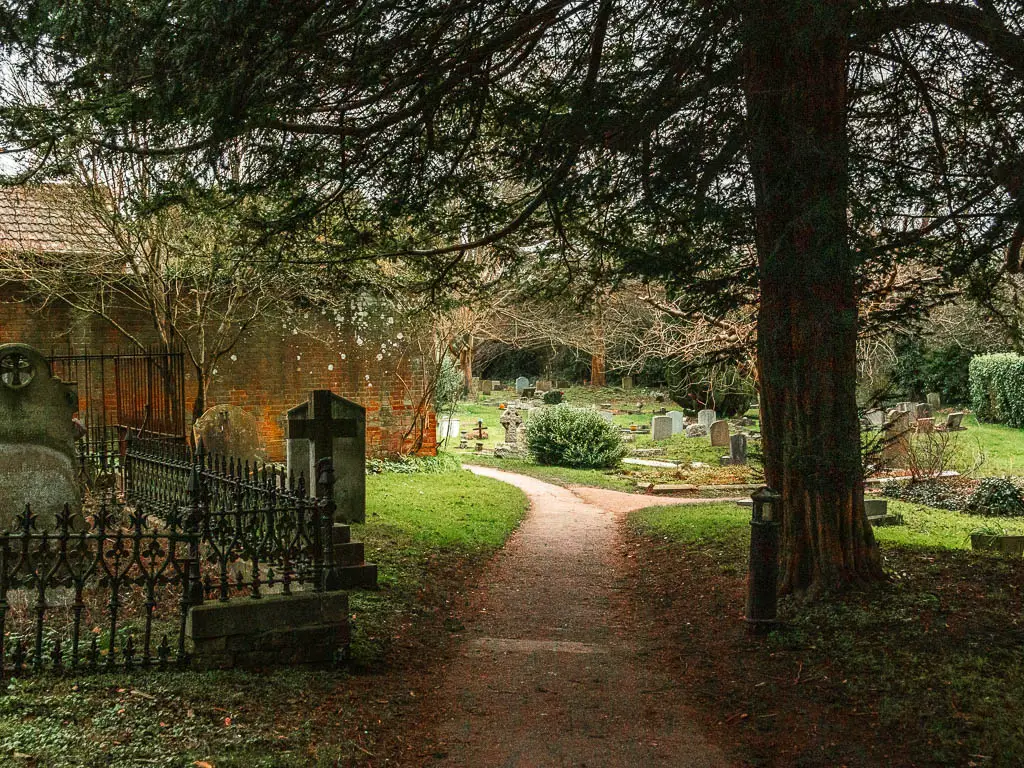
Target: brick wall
x: 363, y: 357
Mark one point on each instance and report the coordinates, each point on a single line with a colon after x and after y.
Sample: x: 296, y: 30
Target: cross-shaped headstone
x: 331, y: 427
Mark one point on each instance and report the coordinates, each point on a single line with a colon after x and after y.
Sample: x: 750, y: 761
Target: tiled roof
x: 48, y: 218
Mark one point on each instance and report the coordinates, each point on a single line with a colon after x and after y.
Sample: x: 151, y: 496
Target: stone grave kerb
x: 333, y: 427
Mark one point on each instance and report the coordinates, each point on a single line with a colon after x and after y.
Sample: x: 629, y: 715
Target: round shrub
x: 996, y: 497
x: 554, y: 397
x: 573, y: 437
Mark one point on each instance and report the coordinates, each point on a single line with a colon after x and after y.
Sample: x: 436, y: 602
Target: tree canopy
x: 789, y: 153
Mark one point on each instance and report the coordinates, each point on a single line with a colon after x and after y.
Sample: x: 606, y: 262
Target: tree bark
x: 466, y: 363
x: 796, y: 95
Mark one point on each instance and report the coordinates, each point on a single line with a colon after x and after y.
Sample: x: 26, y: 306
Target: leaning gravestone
x: 37, y: 438
x: 737, y: 451
x: 329, y: 426
x: 661, y: 427
x: 228, y: 430
x: 934, y: 400
x: 522, y: 383
x: 922, y: 411
x: 896, y: 438
x: 925, y: 426
x: 706, y: 418
x: 719, y: 433
x: 954, y: 421
x: 678, y: 421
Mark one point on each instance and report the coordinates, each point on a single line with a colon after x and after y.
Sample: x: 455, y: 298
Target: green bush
x: 573, y: 437
x: 921, y: 368
x: 414, y: 465
x: 996, y: 497
x: 553, y: 397
x: 997, y: 388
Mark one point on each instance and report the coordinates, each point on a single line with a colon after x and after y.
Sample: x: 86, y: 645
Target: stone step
x: 342, y: 533
x: 349, y: 553
x: 358, y: 576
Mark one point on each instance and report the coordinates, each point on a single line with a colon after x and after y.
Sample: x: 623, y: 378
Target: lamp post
x: 762, y: 584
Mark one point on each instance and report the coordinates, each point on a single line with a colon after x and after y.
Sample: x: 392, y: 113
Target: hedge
x: 997, y: 388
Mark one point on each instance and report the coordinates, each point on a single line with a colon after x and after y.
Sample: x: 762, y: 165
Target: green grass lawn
x: 599, y: 478
x: 1001, y: 447
x: 926, y: 668
x: 422, y: 530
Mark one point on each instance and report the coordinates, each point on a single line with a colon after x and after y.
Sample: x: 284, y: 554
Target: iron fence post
x: 325, y: 493
x: 195, y: 583
x: 762, y: 583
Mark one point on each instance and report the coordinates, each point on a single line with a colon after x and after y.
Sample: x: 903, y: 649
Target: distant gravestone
x: 706, y: 418
x: 522, y: 383
x: 954, y: 421
x: 627, y: 383
x: 228, y: 430
x: 875, y: 417
x: 678, y: 421
x: 486, y: 385
x: 528, y: 393
x: 924, y: 426
x: 497, y: 386
x: 512, y: 421
x: 922, y: 411
x: 895, y: 439
x: 545, y: 386
x: 329, y: 426
x: 737, y: 450
x: 37, y: 438
x: 607, y: 416
x: 908, y: 408
x: 719, y: 433
x: 696, y: 430
x: 934, y: 400
x: 661, y: 428
x: 474, y: 385
x: 448, y: 428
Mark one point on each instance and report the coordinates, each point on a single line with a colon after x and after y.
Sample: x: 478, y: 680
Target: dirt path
x: 555, y: 670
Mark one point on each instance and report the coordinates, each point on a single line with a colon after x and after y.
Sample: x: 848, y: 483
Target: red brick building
x: 364, y: 356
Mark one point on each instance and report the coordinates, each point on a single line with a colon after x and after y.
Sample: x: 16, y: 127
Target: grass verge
x: 426, y: 532
x: 925, y: 670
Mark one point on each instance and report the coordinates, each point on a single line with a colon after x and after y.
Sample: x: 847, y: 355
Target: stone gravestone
x: 908, y: 408
x: 719, y: 433
x: 922, y: 411
x: 934, y: 400
x: 38, y: 465
x: 528, y: 393
x: 544, y: 386
x: 486, y: 385
x: 737, y: 451
x: 661, y: 427
x: 954, y: 421
x: 875, y: 417
x: 329, y: 426
x: 228, y: 430
x: 678, y: 421
x: 607, y: 416
x: 895, y: 438
x: 448, y: 427
x: 627, y: 383
x: 474, y: 385
x: 925, y: 426
x: 522, y: 383
x: 706, y: 418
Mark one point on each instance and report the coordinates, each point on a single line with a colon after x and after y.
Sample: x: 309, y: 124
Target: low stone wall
x: 304, y: 628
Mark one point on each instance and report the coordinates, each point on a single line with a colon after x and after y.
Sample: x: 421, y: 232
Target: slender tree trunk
x: 466, y: 363
x: 796, y: 95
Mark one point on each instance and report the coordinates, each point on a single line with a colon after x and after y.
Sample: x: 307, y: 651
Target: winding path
x: 557, y: 669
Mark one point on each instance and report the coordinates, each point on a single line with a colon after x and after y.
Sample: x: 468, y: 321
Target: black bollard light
x: 762, y: 583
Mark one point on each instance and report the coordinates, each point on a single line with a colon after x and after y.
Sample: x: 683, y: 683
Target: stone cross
x: 329, y: 426
x: 37, y: 438
x: 511, y: 420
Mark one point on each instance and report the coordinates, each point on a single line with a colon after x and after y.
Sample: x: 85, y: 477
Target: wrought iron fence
x: 94, y: 593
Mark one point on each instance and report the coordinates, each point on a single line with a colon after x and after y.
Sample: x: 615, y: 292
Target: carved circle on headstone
x: 16, y: 369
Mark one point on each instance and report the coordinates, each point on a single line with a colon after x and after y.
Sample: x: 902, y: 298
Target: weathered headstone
x: 954, y: 421
x: 37, y: 438
x: 544, y: 386
x: 934, y: 400
x: 922, y: 411
x: 925, y: 426
x: 908, y: 408
x: 719, y: 433
x: 661, y: 428
x: 474, y: 385
x: 528, y: 393
x: 696, y: 430
x: 737, y: 450
x: 706, y: 418
x: 448, y: 428
x: 607, y: 415
x: 229, y: 430
x: 329, y: 426
x: 522, y: 383
x: 512, y: 421
x: 627, y: 383
x: 678, y: 421
x: 497, y: 386
x: 896, y: 437
x: 486, y: 385
x: 875, y: 417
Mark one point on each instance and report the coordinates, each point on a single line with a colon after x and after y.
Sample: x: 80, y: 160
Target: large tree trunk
x: 796, y: 95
